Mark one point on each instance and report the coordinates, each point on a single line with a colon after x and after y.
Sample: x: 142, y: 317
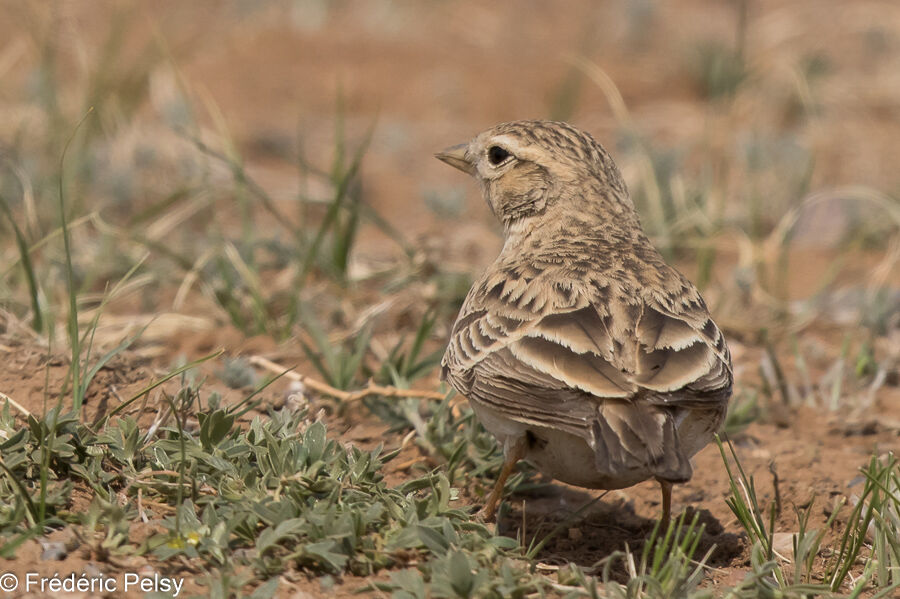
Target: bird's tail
x: 627, y: 437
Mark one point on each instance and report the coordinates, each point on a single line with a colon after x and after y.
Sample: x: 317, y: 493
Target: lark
x: 580, y: 349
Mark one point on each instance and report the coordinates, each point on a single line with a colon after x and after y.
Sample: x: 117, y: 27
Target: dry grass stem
x: 13, y: 403
x: 370, y: 389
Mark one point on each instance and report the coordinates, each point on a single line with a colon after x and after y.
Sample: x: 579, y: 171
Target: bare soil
x: 808, y: 457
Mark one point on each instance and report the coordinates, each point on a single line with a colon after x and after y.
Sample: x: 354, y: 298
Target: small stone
x: 92, y: 571
x: 54, y: 550
x: 783, y: 544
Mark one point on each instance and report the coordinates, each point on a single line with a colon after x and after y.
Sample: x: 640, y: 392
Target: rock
x: 783, y: 544
x: 54, y: 550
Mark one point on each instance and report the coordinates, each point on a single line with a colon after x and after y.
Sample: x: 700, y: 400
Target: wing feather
x: 614, y: 368
x: 588, y: 371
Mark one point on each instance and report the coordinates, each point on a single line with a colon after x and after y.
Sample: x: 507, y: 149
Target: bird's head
x: 526, y: 168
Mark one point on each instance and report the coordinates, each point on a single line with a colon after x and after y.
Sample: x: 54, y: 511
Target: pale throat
x: 517, y: 230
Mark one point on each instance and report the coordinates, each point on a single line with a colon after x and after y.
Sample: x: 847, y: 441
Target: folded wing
x: 622, y: 373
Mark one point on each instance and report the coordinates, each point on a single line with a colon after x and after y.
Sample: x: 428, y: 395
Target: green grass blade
x: 34, y: 292
x: 72, y: 319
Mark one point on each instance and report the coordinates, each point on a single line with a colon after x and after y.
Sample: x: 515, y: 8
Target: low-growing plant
x: 279, y: 488
x: 405, y: 362
x: 874, y: 509
x: 665, y: 567
x: 340, y: 363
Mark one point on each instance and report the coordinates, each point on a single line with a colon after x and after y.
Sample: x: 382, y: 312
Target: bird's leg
x: 666, y: 488
x: 515, y: 453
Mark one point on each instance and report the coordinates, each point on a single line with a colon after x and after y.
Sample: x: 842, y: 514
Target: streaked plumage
x: 579, y: 347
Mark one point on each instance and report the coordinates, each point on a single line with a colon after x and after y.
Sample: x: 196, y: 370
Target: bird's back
x: 600, y: 339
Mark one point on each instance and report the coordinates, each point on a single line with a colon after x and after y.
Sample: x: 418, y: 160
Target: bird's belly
x: 561, y: 455
x: 568, y: 458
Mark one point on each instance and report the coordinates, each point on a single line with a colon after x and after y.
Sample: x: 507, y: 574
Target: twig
x: 370, y: 389
x: 18, y: 406
x: 140, y: 505
x: 151, y: 474
x: 409, y: 463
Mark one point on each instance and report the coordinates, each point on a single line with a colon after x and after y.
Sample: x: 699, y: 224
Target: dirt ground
x: 803, y: 456
x: 430, y: 75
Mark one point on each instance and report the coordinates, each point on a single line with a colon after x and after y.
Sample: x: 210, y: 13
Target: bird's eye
x: 497, y: 155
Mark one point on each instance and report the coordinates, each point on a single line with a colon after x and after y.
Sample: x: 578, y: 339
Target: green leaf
x: 314, y: 441
x: 324, y: 553
x: 267, y: 589
x: 433, y: 540
x: 459, y: 571
x: 214, y: 427
x: 271, y: 536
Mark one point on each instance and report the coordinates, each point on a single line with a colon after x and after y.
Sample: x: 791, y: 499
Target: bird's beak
x: 455, y: 156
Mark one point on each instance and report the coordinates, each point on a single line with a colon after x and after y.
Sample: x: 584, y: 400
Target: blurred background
x: 265, y: 168
x: 258, y: 176
x: 732, y: 121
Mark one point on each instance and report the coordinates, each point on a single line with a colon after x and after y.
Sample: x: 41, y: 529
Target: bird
x: 579, y: 348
